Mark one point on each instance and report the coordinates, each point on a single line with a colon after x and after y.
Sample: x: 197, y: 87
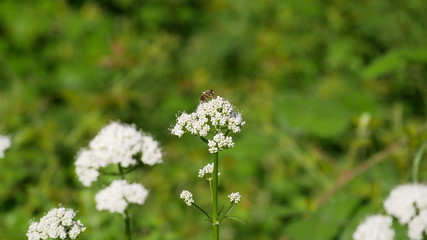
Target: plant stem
x: 126, y: 217
x: 122, y: 172
x: 226, y: 212
x: 215, y: 220
x: 127, y: 223
x: 203, y: 211
x: 417, y: 161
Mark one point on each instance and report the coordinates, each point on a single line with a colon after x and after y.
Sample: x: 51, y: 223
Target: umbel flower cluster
x: 4, y: 144
x: 212, y: 120
x: 117, y: 144
x: 408, y: 204
x: 117, y: 196
x: 57, y: 223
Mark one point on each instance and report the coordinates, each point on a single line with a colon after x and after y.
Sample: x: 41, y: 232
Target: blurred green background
x: 334, y: 94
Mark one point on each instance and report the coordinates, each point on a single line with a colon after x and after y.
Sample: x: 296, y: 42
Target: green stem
x: 215, y: 220
x: 204, y: 139
x: 122, y: 172
x: 226, y: 212
x: 127, y: 216
x: 203, y: 211
x: 127, y: 223
x: 417, y: 161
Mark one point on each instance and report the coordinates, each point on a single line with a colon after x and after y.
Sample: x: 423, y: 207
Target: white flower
x: 57, y: 223
x: 220, y: 142
x: 418, y: 225
x: 188, y: 197
x: 117, y: 196
x: 206, y: 171
x: 376, y: 227
x: 116, y: 143
x: 4, y: 144
x: 217, y: 116
x: 151, y: 153
x: 234, y: 197
x: 404, y: 200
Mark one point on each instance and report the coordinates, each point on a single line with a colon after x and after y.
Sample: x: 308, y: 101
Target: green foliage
x: 302, y: 72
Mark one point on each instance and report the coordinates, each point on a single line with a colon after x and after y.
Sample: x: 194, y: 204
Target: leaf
x: 326, y: 222
x: 384, y: 65
x: 313, y: 116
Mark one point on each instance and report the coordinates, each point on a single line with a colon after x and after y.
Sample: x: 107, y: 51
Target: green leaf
x: 326, y: 222
x: 384, y: 64
x: 313, y: 116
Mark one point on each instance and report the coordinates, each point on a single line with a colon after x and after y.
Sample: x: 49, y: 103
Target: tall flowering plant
x: 213, y: 121
x: 129, y: 149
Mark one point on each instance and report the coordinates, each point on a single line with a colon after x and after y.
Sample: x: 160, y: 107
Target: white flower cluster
x: 234, y: 197
x: 117, y: 196
x: 116, y: 143
x: 220, y: 142
x: 57, y: 223
x: 407, y: 203
x: 404, y: 200
x: 4, y: 144
x: 376, y: 227
x: 216, y: 115
x: 206, y: 171
x: 188, y: 197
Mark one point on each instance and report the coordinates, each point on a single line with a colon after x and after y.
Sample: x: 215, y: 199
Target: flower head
x: 418, y: 225
x: 116, y: 143
x: 234, y: 197
x: 405, y: 200
x: 216, y: 116
x: 4, y: 144
x: 57, y: 223
x: 220, y: 142
x: 117, y: 196
x: 188, y: 197
x: 206, y: 171
x: 376, y: 227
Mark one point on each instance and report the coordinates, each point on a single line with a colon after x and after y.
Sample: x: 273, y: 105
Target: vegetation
x: 334, y: 95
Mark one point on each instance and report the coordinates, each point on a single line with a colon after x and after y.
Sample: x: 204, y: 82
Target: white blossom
x: 188, y: 197
x: 4, y: 144
x: 404, y: 201
x: 151, y: 153
x: 206, y: 171
x: 418, y: 225
x: 220, y: 142
x: 116, y: 143
x: 57, y: 223
x: 376, y: 227
x: 217, y: 116
x: 116, y: 197
x: 234, y: 197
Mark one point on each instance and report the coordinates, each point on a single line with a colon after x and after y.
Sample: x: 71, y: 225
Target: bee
x: 206, y: 95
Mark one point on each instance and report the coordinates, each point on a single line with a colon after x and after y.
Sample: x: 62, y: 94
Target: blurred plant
x: 407, y: 203
x: 4, y: 144
x: 57, y: 223
x: 375, y: 227
x: 118, y: 144
x: 212, y: 121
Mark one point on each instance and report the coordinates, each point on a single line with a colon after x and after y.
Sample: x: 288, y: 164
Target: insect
x: 206, y: 95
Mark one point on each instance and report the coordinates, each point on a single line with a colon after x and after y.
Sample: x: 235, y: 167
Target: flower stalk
x: 127, y: 225
x: 126, y: 215
x: 215, y: 220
